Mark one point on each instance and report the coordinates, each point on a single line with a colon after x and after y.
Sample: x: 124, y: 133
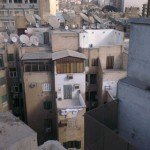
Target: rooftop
x: 67, y: 53
x: 12, y: 130
x: 37, y: 55
x: 76, y: 102
x: 136, y: 83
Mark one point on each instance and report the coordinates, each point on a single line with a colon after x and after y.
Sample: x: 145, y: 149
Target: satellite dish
x: 91, y: 19
x: 85, y: 17
x: 66, y: 27
x: 37, y: 17
x: 24, y: 39
x: 53, y: 21
x: 34, y: 40
x: 97, y: 19
x: 30, y: 18
x: 14, y: 37
x: 5, y: 36
x: 66, y: 17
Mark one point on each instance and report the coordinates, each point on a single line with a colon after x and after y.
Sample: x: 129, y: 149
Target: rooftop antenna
x: 53, y: 21
x: 30, y: 18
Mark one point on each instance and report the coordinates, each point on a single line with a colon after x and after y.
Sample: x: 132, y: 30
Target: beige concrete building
x: 104, y: 67
x: 39, y: 94
x: 15, y: 135
x: 48, y: 7
x: 66, y: 39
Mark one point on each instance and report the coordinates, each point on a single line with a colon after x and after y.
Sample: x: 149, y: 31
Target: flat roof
x: 12, y: 130
x: 37, y: 56
x: 136, y: 83
x: 141, y: 20
x: 67, y: 53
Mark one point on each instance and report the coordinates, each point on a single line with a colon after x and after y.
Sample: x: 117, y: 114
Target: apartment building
x: 14, y: 80
x: 104, y: 66
x: 70, y: 90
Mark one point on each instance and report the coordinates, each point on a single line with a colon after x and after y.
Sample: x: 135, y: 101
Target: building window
x: 10, y: 1
x: 2, y: 81
x: 93, y: 99
x: 1, y: 61
x: 95, y: 62
x: 110, y: 62
x: 86, y: 63
x: 12, y: 73
x: 4, y: 1
x: 46, y: 87
x: 33, y: 1
x: 67, y: 91
x: 15, y: 88
x: 4, y: 98
x: 72, y: 123
x: 70, y: 65
x: 87, y: 96
x: 72, y: 144
x: 93, y: 79
x: 10, y: 57
x: 48, y: 125
x: 47, y: 105
x: 17, y: 1
x: 36, y: 67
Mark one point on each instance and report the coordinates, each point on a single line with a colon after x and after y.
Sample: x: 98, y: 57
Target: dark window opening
x: 10, y: 57
x: 33, y: 1
x: 17, y: 1
x: 95, y: 62
x: 2, y: 81
x: 110, y: 62
x: 1, y: 61
x: 36, y: 67
x: 93, y: 79
x: 47, y: 105
x: 72, y: 144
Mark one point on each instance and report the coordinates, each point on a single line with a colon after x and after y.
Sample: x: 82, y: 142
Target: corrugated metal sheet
x: 67, y: 53
x: 37, y: 55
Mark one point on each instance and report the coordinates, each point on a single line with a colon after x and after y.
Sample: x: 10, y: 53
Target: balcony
x: 76, y: 102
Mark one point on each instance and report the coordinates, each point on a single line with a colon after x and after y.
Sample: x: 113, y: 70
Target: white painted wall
x: 61, y: 79
x: 103, y: 37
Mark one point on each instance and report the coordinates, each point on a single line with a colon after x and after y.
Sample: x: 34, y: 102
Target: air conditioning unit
x: 33, y: 84
x: 70, y: 76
